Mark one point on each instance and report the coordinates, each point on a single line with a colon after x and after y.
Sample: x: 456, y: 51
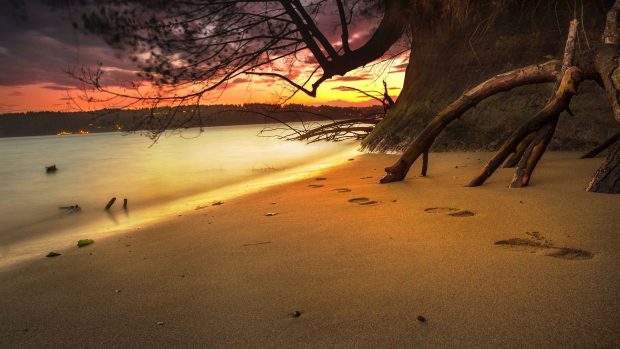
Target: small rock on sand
x: 160, y: 323
x: 85, y: 242
x: 53, y: 254
x: 271, y: 214
x: 421, y: 318
x: 217, y: 203
x: 295, y: 314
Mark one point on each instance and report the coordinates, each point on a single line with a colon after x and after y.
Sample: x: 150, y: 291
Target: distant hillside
x: 51, y: 123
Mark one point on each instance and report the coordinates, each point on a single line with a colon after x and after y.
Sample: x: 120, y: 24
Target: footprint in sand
x: 546, y: 248
x: 440, y: 209
x: 342, y: 190
x: 451, y: 211
x: 463, y: 213
x: 316, y: 185
x: 362, y: 201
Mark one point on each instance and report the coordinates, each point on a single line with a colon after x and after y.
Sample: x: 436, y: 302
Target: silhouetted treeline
x: 108, y: 120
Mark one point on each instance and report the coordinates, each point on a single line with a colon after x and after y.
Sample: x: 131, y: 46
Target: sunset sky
x: 38, y: 46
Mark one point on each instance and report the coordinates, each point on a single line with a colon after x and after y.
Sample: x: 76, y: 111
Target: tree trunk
x: 452, y: 51
x: 607, y: 178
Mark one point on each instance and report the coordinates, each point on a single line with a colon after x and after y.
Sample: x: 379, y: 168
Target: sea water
x: 158, y: 180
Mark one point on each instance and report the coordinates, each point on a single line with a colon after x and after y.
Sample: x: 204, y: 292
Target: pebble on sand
x: 271, y: 214
x: 53, y: 254
x: 421, y: 318
x: 295, y: 314
x: 85, y: 242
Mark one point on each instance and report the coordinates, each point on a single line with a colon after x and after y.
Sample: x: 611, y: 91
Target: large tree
x: 189, y: 48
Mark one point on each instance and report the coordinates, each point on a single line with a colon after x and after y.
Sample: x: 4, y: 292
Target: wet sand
x: 345, y: 262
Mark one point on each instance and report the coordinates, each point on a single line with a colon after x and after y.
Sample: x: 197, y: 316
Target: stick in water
x: 110, y: 203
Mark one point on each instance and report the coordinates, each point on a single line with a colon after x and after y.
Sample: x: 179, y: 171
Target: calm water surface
x: 158, y: 180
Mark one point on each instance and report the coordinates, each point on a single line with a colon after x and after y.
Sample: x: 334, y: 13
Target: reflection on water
x: 172, y: 175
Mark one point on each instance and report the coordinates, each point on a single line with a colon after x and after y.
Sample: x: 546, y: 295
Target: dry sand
x: 359, y: 275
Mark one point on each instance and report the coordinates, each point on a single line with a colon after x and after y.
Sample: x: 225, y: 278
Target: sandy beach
x: 486, y: 267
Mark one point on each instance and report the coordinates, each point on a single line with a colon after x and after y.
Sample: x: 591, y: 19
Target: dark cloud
x: 241, y: 80
x: 39, y: 46
x: 57, y: 87
x: 399, y: 68
x: 341, y: 88
x: 351, y: 78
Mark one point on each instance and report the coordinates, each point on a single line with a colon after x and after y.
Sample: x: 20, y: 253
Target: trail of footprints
x: 535, y: 243
x: 364, y: 201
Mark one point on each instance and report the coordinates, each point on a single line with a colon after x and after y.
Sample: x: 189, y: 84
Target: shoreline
x: 359, y: 274
x: 169, y: 209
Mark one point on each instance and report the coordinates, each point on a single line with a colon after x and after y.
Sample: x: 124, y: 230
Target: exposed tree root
x: 514, y: 159
x: 533, y: 154
x: 602, y: 66
x: 566, y: 86
x: 533, y: 74
x: 565, y: 92
x: 599, y: 148
x: 424, y: 163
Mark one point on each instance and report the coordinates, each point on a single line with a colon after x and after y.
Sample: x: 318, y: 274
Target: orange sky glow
x: 241, y: 90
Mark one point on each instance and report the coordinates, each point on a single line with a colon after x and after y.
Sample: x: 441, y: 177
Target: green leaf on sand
x: 85, y: 242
